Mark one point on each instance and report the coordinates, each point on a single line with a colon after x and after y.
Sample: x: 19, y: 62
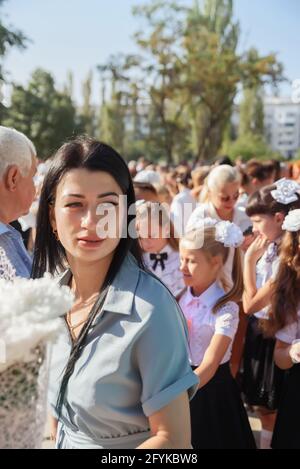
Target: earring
x: 55, y: 234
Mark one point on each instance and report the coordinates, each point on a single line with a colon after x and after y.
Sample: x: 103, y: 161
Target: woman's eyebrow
x: 105, y: 194
x: 99, y: 196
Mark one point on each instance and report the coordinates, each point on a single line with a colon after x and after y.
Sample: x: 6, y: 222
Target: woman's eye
x: 74, y: 204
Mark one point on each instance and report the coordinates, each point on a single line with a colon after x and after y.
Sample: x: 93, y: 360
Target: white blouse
x: 242, y: 202
x: 203, y: 324
x: 239, y: 218
x: 170, y: 275
x: 266, y: 268
x: 290, y: 332
x: 181, y: 209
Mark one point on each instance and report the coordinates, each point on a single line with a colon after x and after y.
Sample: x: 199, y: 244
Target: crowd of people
x: 180, y: 325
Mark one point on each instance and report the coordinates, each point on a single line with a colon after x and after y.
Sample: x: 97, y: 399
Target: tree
x: 43, y: 113
x: 252, y: 107
x: 119, y: 117
x: 87, y: 114
x: 112, y: 111
x: 252, y: 112
x: 176, y: 98
x: 248, y: 146
x: 167, y: 96
x: 9, y: 38
x: 215, y: 70
x: 69, y: 85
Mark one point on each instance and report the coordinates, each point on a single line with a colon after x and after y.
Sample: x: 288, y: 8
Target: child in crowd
x: 159, y: 244
x: 218, y: 417
x: 262, y: 379
x: 285, y: 323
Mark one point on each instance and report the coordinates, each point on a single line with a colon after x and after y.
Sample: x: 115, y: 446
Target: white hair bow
x: 286, y: 191
x: 229, y: 234
x: 292, y: 221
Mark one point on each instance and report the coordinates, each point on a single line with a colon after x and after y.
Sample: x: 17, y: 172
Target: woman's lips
x: 89, y: 242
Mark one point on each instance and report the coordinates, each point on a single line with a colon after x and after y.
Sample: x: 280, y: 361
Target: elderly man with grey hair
x: 17, y: 191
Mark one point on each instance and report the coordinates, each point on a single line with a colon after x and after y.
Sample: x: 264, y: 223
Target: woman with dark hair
x: 115, y: 382
x: 285, y: 324
x: 262, y: 380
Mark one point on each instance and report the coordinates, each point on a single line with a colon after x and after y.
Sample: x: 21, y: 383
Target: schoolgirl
x: 262, y: 380
x: 218, y: 417
x: 160, y: 245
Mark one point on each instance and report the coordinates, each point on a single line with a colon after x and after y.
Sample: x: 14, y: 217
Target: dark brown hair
x: 263, y: 203
x: 286, y: 287
x: 50, y: 255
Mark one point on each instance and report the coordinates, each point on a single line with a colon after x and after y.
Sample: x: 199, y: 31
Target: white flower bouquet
x: 29, y: 319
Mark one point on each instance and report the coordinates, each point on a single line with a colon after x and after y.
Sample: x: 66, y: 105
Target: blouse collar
x: 120, y: 295
x: 208, y: 298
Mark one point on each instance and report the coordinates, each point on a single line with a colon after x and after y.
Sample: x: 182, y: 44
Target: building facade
x: 282, y: 125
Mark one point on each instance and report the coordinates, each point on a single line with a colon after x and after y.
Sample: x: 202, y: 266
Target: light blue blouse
x: 134, y: 363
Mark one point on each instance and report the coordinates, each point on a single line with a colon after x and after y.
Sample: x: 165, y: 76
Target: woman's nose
x: 89, y: 219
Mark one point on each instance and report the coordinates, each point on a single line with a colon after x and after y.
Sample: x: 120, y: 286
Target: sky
x: 79, y: 34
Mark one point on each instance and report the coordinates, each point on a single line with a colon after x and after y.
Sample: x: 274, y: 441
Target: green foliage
x: 252, y: 113
x: 248, y: 146
x: 188, y: 75
x: 9, y: 38
x: 43, y: 113
x: 87, y: 113
x: 172, y: 101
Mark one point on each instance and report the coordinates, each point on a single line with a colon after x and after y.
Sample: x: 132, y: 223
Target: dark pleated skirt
x: 262, y: 381
x: 218, y: 417
x: 287, y: 428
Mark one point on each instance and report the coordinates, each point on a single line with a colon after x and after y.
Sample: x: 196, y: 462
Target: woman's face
x: 225, y: 197
x: 268, y: 225
x: 86, y: 213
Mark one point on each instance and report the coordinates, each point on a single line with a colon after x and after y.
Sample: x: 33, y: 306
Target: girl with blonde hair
x: 218, y: 417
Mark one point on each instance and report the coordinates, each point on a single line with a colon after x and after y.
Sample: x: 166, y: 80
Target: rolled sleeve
x: 188, y: 383
x: 162, y: 355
